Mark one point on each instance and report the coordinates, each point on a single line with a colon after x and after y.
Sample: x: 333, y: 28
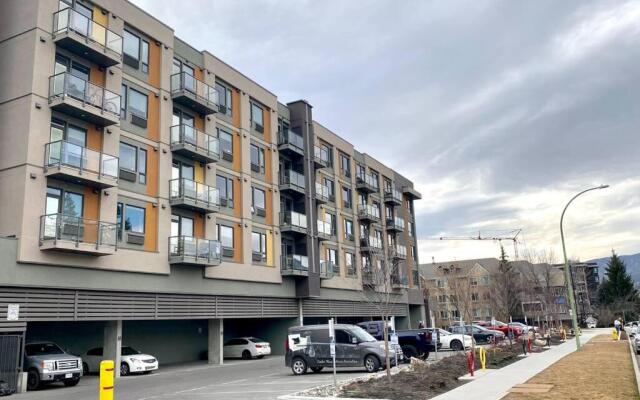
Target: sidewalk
x: 495, y: 384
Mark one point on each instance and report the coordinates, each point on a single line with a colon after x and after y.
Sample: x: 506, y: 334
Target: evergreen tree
x: 617, y: 286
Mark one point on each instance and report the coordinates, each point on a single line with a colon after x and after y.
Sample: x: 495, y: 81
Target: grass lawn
x: 602, y: 369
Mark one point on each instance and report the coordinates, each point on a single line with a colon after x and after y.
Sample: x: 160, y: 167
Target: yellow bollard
x: 614, y: 333
x: 482, y: 356
x: 107, y: 375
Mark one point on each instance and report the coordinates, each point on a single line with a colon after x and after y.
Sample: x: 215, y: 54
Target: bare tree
x: 380, y: 280
x: 539, y: 292
x: 505, y: 289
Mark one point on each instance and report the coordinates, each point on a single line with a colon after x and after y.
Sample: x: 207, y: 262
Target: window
x: 374, y: 176
x: 474, y: 297
x: 142, y: 166
x: 332, y: 258
x: 225, y: 236
x: 331, y: 220
x: 388, y: 212
x: 484, y: 281
x: 345, y: 165
x: 259, y: 246
x: 328, y: 183
x: 410, y: 228
x: 133, y: 163
x: 64, y: 202
x: 350, y: 262
x: 137, y: 103
x: 444, y: 314
x: 324, y: 148
x: 362, y: 200
x: 346, y: 197
x: 257, y: 159
x: 376, y: 208
x: 144, y: 56
x: 130, y: 219
x: 258, y: 201
x: 474, y: 281
x: 256, y: 117
x: 387, y: 185
x: 360, y: 170
x: 127, y: 157
x: 225, y: 187
x: 440, y: 283
x: 224, y: 99
x: 181, y: 226
x: 414, y: 254
x: 348, y: 229
x: 226, y: 144
x: 131, y: 46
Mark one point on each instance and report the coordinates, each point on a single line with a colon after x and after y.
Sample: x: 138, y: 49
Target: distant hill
x: 631, y: 261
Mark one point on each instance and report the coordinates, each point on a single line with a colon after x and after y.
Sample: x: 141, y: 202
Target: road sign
x: 13, y: 312
x: 332, y: 332
x: 332, y: 348
x: 394, y: 338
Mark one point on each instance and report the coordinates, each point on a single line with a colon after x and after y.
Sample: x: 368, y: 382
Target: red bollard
x: 529, y: 345
x: 471, y: 362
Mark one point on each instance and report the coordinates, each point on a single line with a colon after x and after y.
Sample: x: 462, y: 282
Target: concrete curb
x: 635, y: 363
x: 296, y: 397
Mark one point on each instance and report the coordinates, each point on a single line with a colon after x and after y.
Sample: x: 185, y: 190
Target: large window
x: 225, y: 187
x: 328, y: 183
x: 331, y: 220
x: 225, y: 236
x: 346, y: 197
x: 224, y: 99
x: 348, y: 229
x: 133, y: 163
x: 130, y: 219
x: 127, y: 157
x: 350, y: 262
x: 131, y: 46
x: 137, y: 103
x: 332, y: 258
x: 325, y: 148
x: 226, y: 144
x: 258, y: 201
x: 345, y: 165
x: 257, y: 159
x: 259, y: 246
x: 136, y: 51
x: 64, y: 202
x: 256, y: 117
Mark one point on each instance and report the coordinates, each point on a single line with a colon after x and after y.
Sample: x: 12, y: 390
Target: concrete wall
x: 273, y: 330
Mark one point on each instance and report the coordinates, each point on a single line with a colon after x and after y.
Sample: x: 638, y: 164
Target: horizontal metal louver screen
x: 338, y: 308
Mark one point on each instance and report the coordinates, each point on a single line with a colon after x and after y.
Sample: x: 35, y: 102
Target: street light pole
x: 567, y: 273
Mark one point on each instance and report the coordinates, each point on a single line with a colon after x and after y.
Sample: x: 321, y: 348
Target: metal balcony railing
x: 366, y: 182
x: 188, y: 137
x: 368, y: 212
x: 321, y: 157
x: 293, y: 264
x: 293, y: 219
x: 61, y: 227
x: 291, y: 138
x: 293, y: 178
x: 182, y: 81
x: 67, y: 85
x: 371, y: 242
x: 395, y: 223
x: 66, y: 154
x: 393, y: 196
x: 322, y: 193
x: 399, y: 281
x: 194, y: 193
x: 398, y: 251
x: 193, y: 250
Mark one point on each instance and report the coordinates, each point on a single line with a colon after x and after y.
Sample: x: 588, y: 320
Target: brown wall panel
x: 266, y: 116
x: 96, y: 76
x: 237, y: 243
x: 198, y: 226
x: 153, y: 121
x: 267, y: 164
x: 235, y: 104
x: 152, y: 172
x: 237, y: 153
x: 94, y: 138
x: 237, y: 197
x: 154, y: 64
x: 151, y: 228
x: 269, y: 207
x: 198, y: 73
x: 199, y: 122
x: 91, y: 211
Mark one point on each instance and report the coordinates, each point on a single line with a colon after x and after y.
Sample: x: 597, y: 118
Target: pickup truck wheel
x: 124, y: 369
x: 85, y: 368
x: 409, y: 351
x: 299, y: 366
x: 316, y: 369
x: 371, y: 363
x: 33, y: 379
x: 71, y: 382
x: 455, y: 345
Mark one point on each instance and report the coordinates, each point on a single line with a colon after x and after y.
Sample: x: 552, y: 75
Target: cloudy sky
x: 499, y: 111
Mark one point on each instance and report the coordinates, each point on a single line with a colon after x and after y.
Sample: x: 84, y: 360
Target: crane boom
x: 511, y: 235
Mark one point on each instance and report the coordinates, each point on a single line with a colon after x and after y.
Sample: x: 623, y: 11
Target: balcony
x: 399, y: 281
x: 294, y: 265
x: 193, y: 93
x: 293, y: 222
x: 59, y: 232
x: 325, y: 231
x: 322, y: 194
x: 368, y: 213
x: 79, y: 98
x: 187, y: 250
x: 393, y: 197
x: 191, y: 143
x: 369, y: 277
x: 292, y: 181
x: 320, y: 157
x: 86, y: 38
x: 370, y: 244
x: 398, y: 252
x: 326, y: 269
x: 69, y: 162
x: 290, y: 143
x: 366, y: 183
x: 411, y: 192
x: 395, y: 224
x: 195, y: 196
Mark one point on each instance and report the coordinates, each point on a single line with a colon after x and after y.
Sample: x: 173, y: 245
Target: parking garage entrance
x: 11, y: 347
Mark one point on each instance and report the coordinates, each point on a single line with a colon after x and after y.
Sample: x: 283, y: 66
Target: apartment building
x: 152, y: 192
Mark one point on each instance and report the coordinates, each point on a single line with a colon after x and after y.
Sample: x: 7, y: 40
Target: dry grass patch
x: 602, y: 369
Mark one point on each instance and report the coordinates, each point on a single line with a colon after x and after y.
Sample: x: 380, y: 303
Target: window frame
x: 228, y: 98
x: 262, y: 244
x: 140, y: 177
x: 219, y: 235
x: 224, y: 132
x: 255, y: 189
x: 262, y: 163
x: 253, y: 107
x: 228, y: 184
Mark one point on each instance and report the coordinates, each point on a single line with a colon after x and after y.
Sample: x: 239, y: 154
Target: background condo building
x: 150, y: 192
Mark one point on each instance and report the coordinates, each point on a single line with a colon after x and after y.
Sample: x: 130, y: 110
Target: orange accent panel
x: 153, y: 122
x: 235, y: 104
x: 269, y: 207
x: 94, y: 138
x: 199, y: 122
x: 154, y: 63
x: 96, y: 76
x: 198, y: 226
x: 151, y: 228
x: 237, y: 243
x: 267, y: 164
x: 266, y: 116
x: 198, y: 73
x: 237, y: 197
x: 237, y: 153
x: 152, y: 172
x: 91, y: 211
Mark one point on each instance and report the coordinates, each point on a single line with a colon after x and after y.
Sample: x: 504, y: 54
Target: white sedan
x: 131, y: 360
x: 453, y: 341
x: 246, y: 348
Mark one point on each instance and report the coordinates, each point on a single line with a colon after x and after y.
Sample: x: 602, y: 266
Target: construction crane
x: 511, y: 235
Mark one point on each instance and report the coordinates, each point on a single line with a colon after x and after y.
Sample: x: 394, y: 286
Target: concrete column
x: 216, y: 341
x: 112, y: 343
x: 300, y: 319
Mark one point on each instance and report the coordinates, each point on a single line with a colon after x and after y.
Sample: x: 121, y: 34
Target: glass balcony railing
x: 68, y: 19
x: 371, y: 242
x: 368, y: 212
x: 292, y: 138
x: 295, y: 264
x: 185, y: 135
x: 183, y: 81
x: 194, y: 193
x: 327, y: 269
x: 54, y: 227
x: 395, y: 223
x: 194, y: 250
x: 367, y: 182
x: 66, y: 154
x: 322, y: 192
x: 294, y: 219
x: 325, y: 228
x: 67, y: 85
x: 291, y: 177
x: 321, y: 156
x: 392, y: 196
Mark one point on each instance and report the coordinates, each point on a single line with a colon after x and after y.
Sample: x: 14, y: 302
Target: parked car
x: 454, y: 341
x: 46, y: 362
x: 413, y: 342
x: 525, y: 328
x: 246, y: 348
x: 131, y: 361
x: 479, y: 333
x: 636, y: 344
x: 632, y: 328
x: 502, y: 327
x: 309, y: 347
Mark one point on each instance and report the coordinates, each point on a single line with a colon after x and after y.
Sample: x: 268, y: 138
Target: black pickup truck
x: 414, y: 342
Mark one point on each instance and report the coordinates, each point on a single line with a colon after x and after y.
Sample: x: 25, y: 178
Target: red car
x: 502, y: 327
